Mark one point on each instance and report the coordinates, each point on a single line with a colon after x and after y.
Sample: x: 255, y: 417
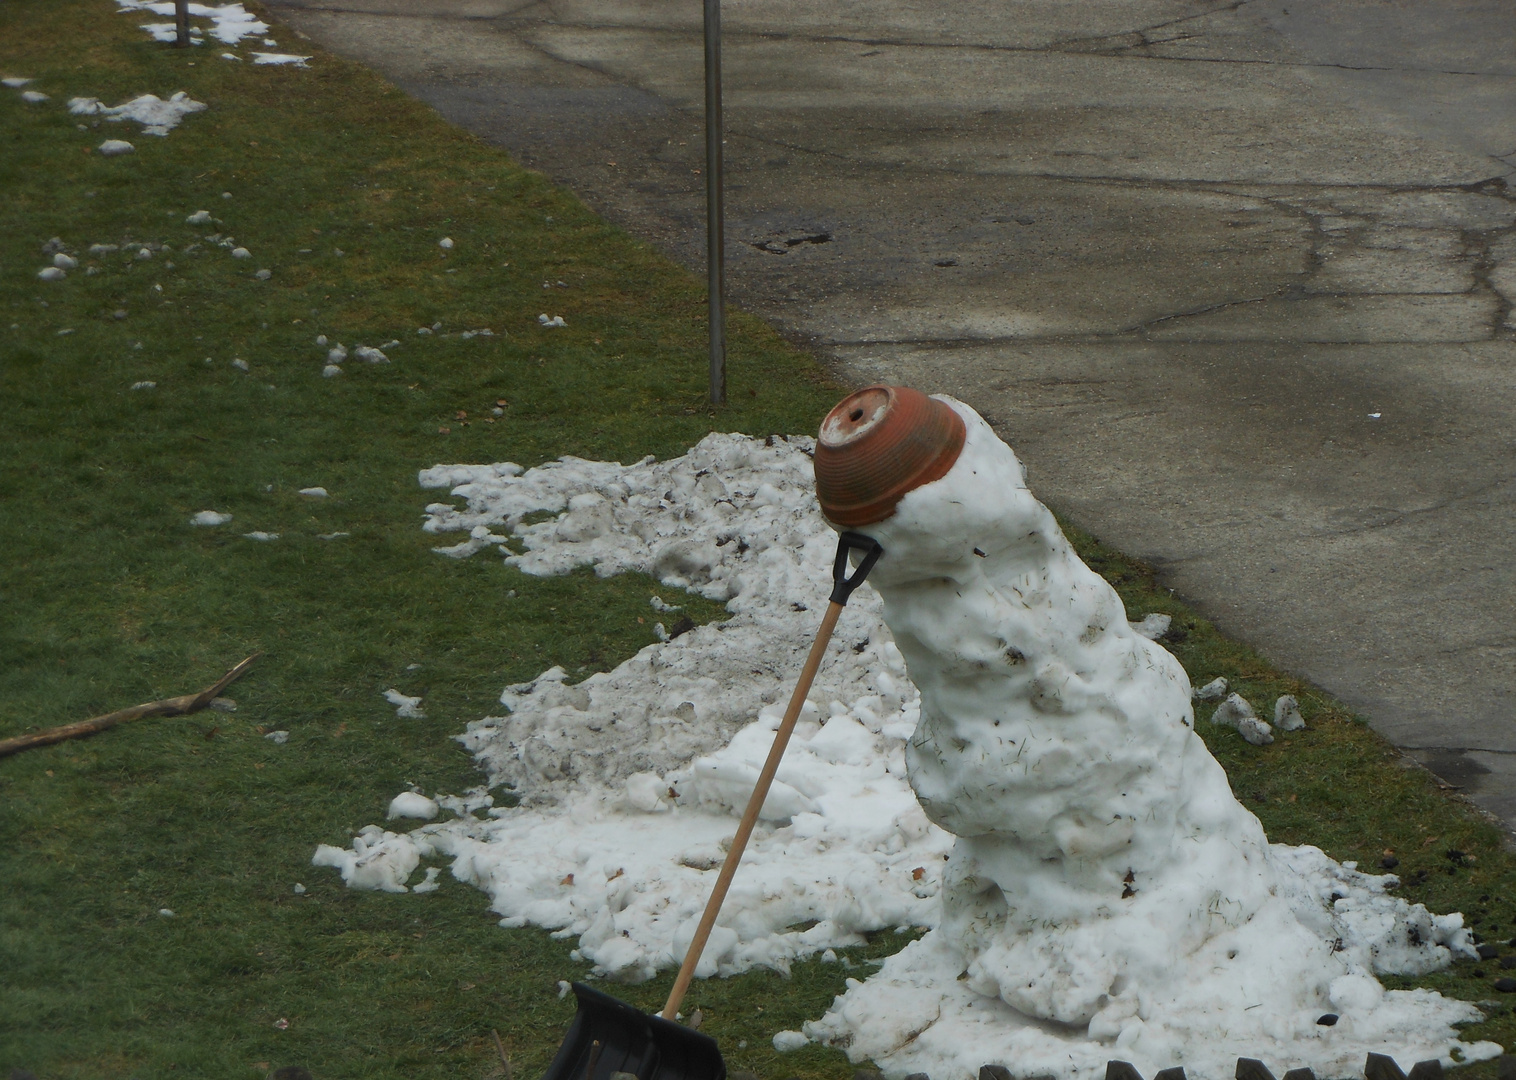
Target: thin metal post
x: 181, y: 20
x: 715, y: 242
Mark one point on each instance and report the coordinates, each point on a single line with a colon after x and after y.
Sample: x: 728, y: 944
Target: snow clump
x: 406, y: 707
x: 630, y: 781
x: 412, y: 804
x: 157, y: 117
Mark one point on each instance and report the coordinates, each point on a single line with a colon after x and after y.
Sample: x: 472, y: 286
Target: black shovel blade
x: 631, y: 1041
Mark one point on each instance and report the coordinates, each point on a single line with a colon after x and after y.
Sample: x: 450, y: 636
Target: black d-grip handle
x: 843, y: 584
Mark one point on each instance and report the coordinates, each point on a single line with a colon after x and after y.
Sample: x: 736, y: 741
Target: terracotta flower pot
x: 876, y: 445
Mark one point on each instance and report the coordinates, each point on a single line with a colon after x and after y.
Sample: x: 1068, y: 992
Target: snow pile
x: 230, y: 22
x: 631, y: 781
x: 1104, y: 880
x: 157, y: 117
x: 280, y: 59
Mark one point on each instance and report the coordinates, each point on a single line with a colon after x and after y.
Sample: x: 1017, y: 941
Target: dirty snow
x: 15, y: 82
x: 630, y: 782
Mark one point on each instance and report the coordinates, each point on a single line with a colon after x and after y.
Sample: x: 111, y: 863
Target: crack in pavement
x: 1459, y: 750
x: 1401, y: 517
x: 1064, y: 48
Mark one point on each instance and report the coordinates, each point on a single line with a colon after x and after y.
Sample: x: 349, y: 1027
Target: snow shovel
x: 609, y: 1036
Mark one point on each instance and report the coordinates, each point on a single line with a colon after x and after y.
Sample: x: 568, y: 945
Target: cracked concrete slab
x: 1235, y: 278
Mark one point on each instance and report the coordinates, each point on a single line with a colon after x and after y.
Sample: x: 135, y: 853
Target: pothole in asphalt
x: 782, y: 247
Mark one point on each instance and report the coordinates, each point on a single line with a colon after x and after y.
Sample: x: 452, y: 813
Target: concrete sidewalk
x: 1234, y: 279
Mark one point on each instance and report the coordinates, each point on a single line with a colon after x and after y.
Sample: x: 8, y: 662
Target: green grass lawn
x: 109, y: 597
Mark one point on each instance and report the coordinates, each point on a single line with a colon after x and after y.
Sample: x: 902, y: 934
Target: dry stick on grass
x: 181, y: 23
x: 176, y: 706
x: 504, y: 1060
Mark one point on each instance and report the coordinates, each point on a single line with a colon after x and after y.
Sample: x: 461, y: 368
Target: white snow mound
x: 630, y: 782
x: 157, y: 117
x: 412, y: 804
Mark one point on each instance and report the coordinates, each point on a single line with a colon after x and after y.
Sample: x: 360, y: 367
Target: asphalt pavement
x: 1234, y: 279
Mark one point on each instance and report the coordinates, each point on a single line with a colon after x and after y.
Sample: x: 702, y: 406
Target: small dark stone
x: 683, y: 626
x: 994, y: 1072
x: 1478, y: 973
x: 1327, y: 1020
x: 1508, y: 961
x: 917, y: 1076
x: 866, y: 1074
x: 292, y: 1072
x: 1506, y: 986
x: 1505, y: 1067
x: 1487, y: 952
x: 1430, y: 1069
x: 1117, y: 1070
x: 1389, y: 862
x: 1300, y: 1074
x: 1173, y: 1072
x: 1382, y: 1067
x: 1253, y: 1069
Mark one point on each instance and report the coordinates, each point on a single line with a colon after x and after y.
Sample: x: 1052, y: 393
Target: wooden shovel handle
x: 750, y: 815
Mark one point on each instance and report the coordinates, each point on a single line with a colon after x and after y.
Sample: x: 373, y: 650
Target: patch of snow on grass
x: 33, y: 97
x: 406, y: 707
x: 231, y: 22
x: 157, y: 117
x: 115, y: 148
x: 210, y: 517
x: 412, y: 804
x: 629, y: 782
x: 285, y: 59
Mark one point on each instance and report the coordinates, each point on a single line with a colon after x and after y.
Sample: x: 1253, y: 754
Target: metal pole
x: 181, y: 19
x: 715, y: 244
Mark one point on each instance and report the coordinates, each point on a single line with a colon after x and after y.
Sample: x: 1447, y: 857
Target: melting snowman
x: 1107, y: 895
